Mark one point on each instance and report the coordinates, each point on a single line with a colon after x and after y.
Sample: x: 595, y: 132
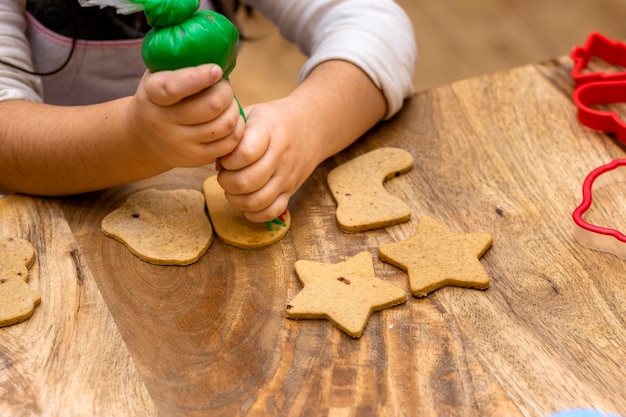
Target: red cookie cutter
x: 596, y: 237
x: 594, y: 88
x: 598, y: 45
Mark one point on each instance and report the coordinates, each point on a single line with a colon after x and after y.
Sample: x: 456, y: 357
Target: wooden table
x: 502, y: 153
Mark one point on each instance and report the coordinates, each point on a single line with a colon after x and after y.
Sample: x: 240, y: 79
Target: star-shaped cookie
x: 435, y: 257
x: 346, y: 293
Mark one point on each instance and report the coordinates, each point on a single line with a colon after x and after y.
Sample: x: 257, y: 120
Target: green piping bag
x: 181, y: 35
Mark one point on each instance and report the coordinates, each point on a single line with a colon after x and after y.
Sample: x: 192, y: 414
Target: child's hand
x: 188, y: 117
x: 270, y: 163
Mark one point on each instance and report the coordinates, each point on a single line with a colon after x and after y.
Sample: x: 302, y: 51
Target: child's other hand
x: 188, y: 117
x: 273, y: 159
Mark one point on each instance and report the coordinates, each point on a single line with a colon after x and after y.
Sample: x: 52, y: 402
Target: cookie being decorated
x: 346, y: 293
x: 232, y: 227
x: 17, y: 300
x: 162, y: 227
x: 435, y: 257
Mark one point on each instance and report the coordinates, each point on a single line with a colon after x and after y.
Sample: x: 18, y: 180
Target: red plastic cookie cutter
x: 598, y: 45
x: 595, y: 93
x: 592, y: 89
x: 597, y: 237
x: 595, y: 88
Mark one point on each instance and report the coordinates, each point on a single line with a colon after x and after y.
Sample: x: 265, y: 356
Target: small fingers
x: 166, y: 88
x: 263, y: 197
x: 249, y: 150
x: 262, y: 213
x: 224, y: 125
x: 214, y: 147
x: 246, y: 181
x: 216, y: 105
x: 194, y: 148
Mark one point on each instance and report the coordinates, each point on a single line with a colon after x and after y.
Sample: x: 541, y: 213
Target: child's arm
x: 375, y: 35
x: 180, y: 118
x: 287, y: 138
x: 362, y: 54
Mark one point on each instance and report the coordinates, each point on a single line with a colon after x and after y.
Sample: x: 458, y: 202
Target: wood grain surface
x: 502, y: 153
x: 68, y: 359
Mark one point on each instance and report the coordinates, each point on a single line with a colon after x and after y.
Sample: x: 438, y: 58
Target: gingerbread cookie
x: 346, y: 293
x: 357, y: 187
x: 162, y: 227
x: 435, y: 257
x: 17, y: 299
x: 232, y: 227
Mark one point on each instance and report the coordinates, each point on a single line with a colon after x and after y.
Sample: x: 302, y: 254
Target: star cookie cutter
x: 595, y: 237
x: 595, y: 88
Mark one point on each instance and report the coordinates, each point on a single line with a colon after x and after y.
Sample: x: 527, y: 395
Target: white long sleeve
x: 14, y: 48
x: 375, y: 35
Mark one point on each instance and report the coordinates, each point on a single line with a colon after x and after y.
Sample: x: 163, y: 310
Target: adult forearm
x: 52, y: 150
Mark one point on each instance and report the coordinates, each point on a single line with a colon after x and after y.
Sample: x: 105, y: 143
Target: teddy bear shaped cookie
x: 17, y: 299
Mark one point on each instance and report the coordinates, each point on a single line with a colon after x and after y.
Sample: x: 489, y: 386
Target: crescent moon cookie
x: 162, y: 227
x: 232, y: 227
x: 17, y: 299
x: 363, y: 203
